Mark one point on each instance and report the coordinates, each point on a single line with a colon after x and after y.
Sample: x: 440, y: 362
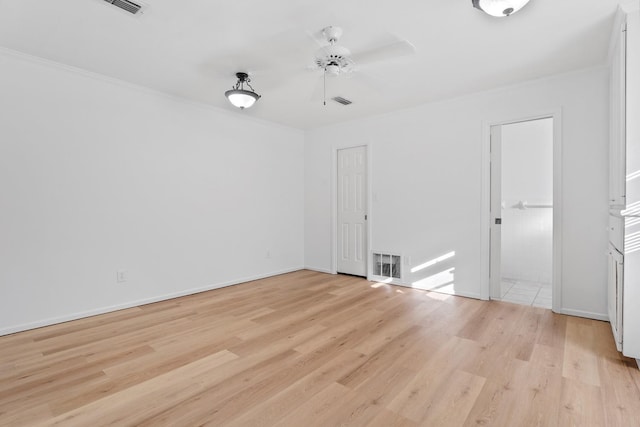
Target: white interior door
x: 352, y: 215
x: 496, y: 212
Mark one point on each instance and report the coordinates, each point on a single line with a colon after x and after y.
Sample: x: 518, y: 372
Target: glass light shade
x: 241, y: 98
x: 500, y: 8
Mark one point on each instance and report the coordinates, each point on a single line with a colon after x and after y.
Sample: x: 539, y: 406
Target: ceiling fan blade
x: 318, y: 93
x: 389, y: 51
x: 356, y: 87
x: 317, y: 38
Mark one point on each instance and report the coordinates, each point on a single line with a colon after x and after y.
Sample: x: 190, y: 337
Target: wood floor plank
x: 224, y: 399
x: 138, y: 402
x: 451, y: 403
x: 580, y: 358
x: 581, y: 405
x: 314, y: 349
x: 498, y: 402
x: 618, y: 385
x: 272, y: 409
x: 315, y: 411
x: 552, y: 329
x: 386, y: 418
x: 378, y: 360
x: 420, y: 399
x: 28, y: 415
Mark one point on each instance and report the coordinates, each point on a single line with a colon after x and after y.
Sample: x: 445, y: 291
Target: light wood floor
x: 311, y: 349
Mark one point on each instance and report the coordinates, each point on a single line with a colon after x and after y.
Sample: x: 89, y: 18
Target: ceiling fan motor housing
x: 333, y: 56
x: 332, y: 33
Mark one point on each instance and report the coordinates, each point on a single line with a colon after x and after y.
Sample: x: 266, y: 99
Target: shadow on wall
x: 437, y: 274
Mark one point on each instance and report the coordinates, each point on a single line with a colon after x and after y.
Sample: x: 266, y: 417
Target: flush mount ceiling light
x: 499, y: 8
x: 239, y: 96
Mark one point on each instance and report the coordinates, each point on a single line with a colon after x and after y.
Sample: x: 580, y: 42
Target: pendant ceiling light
x: 239, y: 96
x: 499, y: 7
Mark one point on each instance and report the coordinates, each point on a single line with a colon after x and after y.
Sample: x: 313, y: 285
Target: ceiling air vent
x: 341, y: 100
x: 127, y: 5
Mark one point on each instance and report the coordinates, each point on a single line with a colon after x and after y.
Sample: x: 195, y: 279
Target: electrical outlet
x: 121, y: 276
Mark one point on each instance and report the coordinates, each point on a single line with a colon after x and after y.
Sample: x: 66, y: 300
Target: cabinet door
x: 615, y: 283
x: 617, y: 141
x: 632, y: 108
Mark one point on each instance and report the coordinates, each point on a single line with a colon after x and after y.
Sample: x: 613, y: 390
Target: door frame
x: 334, y: 205
x: 485, y: 250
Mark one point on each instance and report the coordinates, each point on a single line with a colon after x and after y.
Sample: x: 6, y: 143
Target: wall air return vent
x: 387, y: 267
x: 341, y: 100
x: 127, y: 5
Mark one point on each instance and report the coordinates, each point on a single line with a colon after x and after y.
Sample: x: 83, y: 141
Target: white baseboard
x: 318, y: 269
x: 585, y: 314
x: 102, y: 310
x: 462, y: 294
x: 407, y: 285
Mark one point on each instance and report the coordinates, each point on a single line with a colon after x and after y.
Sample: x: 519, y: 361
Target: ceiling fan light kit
x: 499, y: 8
x: 239, y: 96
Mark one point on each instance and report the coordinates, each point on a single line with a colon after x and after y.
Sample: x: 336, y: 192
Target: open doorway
x: 522, y: 212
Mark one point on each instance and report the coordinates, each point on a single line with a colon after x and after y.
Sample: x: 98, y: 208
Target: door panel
x: 615, y: 279
x: 352, y: 202
x: 344, y: 238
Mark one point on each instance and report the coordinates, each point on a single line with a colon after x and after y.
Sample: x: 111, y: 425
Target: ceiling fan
x: 335, y: 59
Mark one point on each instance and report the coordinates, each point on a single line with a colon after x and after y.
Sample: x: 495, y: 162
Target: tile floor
x: 526, y: 293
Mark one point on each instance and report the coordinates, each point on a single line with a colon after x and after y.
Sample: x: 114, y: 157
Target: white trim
x: 387, y: 281
x: 334, y: 210
x: 556, y: 282
x: 109, y: 309
x: 455, y: 294
x: 485, y: 180
x: 619, y: 20
x: 369, y: 206
x: 580, y: 313
x: 334, y: 204
x: 485, y: 213
x: 319, y: 269
x: 473, y: 295
x: 141, y: 89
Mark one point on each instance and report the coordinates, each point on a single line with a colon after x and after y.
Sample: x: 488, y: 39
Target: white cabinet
x: 617, y: 131
x: 632, y: 114
x: 624, y: 182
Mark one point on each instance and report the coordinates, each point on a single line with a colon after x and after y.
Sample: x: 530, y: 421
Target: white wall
x: 98, y: 176
x: 527, y: 176
x: 426, y: 182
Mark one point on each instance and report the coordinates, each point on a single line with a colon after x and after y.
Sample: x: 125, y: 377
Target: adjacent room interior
x: 319, y: 213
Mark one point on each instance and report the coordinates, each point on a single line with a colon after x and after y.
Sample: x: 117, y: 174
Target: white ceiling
x: 192, y: 48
